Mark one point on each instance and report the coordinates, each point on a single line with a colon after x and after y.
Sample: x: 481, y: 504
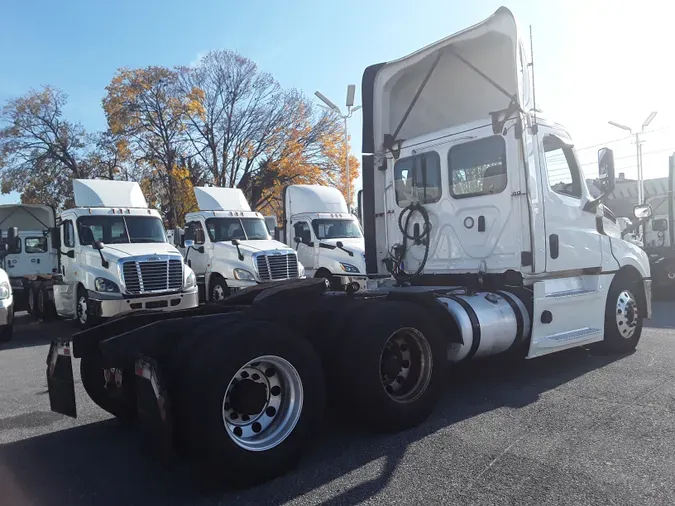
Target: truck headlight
x: 243, y: 275
x: 191, y: 280
x: 349, y: 268
x: 5, y: 290
x: 105, y: 285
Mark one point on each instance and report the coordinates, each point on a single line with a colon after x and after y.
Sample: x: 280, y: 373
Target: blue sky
x: 594, y: 62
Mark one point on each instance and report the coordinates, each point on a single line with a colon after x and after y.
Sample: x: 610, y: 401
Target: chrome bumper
x: 648, y: 297
x: 106, y: 306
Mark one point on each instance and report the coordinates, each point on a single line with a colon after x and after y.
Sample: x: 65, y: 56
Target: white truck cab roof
x: 210, y: 198
x: 312, y: 198
x: 106, y: 193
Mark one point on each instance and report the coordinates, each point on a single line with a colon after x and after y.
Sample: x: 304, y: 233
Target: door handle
x: 481, y: 223
x: 554, y: 245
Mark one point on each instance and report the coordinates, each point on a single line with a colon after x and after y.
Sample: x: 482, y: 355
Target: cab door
x: 198, y: 256
x: 572, y: 238
x: 301, y: 238
x: 65, y: 285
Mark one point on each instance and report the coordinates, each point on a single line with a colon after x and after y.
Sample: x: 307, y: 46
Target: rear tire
x: 623, y: 316
x: 393, y: 365
x: 44, y: 304
x: 116, y: 395
x: 33, y: 308
x: 250, y: 399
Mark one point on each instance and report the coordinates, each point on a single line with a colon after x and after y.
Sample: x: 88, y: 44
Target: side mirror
x: 339, y: 244
x: 235, y: 242
x: 297, y: 239
x: 189, y: 243
x: 13, y: 240
x: 642, y: 212
x: 98, y: 245
x: 56, y: 237
x: 606, y: 178
x: 177, y: 232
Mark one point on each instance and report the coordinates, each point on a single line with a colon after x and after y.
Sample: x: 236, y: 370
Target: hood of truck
x: 114, y: 252
x: 251, y: 247
x: 354, y: 245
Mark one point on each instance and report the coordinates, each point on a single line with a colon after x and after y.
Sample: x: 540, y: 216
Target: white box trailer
x: 231, y: 247
x: 326, y: 236
x: 479, y: 225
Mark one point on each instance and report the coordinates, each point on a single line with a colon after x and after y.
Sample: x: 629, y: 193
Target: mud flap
x: 154, y: 413
x: 60, y: 381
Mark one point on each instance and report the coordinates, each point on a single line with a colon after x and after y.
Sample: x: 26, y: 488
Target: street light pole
x: 351, y: 89
x: 638, y: 151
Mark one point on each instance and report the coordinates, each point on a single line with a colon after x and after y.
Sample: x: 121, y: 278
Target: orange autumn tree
x: 149, y: 110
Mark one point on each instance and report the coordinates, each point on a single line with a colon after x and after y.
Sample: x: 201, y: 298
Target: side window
x: 562, y: 168
x: 35, y: 244
x: 477, y: 167
x: 194, y: 232
x: 302, y: 231
x: 68, y: 234
x: 418, y: 177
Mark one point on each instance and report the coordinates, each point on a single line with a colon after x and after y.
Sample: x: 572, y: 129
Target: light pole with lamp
x: 351, y: 90
x: 638, y: 151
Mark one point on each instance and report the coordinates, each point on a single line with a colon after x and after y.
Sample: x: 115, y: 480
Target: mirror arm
x: 591, y: 206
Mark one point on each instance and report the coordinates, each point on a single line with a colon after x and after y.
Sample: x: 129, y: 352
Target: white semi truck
x: 327, y: 237
x: 106, y: 256
x: 481, y: 233
x: 230, y: 247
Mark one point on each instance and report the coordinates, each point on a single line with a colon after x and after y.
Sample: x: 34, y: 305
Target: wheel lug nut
x: 255, y: 377
x: 271, y: 411
x: 244, y: 374
x: 237, y: 431
x: 234, y: 416
x: 275, y: 390
x: 256, y: 427
x: 269, y: 372
x: 245, y: 418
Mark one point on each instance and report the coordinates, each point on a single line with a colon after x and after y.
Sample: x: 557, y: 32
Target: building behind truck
x: 326, y: 236
x: 479, y: 224
x: 230, y: 246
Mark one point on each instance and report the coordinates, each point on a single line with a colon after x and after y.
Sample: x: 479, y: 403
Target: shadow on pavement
x: 30, y: 332
x: 102, y: 463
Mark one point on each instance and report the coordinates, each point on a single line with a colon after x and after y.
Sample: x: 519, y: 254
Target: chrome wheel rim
x: 262, y: 403
x: 626, y: 314
x: 406, y: 365
x: 82, y: 309
x: 218, y: 293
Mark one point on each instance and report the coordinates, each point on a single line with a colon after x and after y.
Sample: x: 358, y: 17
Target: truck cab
x: 229, y: 246
x: 327, y: 237
x: 32, y: 260
x: 471, y: 185
x: 114, y: 256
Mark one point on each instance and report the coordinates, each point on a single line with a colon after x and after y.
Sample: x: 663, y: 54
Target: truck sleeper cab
x: 327, y: 237
x: 117, y: 259
x: 231, y: 247
x: 481, y: 233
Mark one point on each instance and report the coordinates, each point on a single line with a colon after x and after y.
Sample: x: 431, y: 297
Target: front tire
x: 250, y: 399
x: 113, y: 390
x: 623, y: 316
x: 84, y: 317
x: 7, y: 332
x: 33, y: 307
x: 218, y: 290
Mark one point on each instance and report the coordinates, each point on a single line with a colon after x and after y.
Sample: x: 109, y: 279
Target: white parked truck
x: 481, y: 233
x: 7, y: 303
x: 31, y: 259
x: 230, y: 246
x: 107, y: 256
x: 327, y: 237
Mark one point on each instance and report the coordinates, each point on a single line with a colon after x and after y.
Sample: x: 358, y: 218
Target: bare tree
x: 40, y: 151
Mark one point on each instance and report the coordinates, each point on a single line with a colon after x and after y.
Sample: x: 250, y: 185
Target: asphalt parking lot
x: 570, y: 428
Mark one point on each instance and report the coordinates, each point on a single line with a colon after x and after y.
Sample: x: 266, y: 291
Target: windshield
x: 120, y: 229
x: 226, y: 229
x: 336, y: 229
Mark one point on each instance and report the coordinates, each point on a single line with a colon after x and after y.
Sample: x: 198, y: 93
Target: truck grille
x: 273, y: 267
x: 152, y: 276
